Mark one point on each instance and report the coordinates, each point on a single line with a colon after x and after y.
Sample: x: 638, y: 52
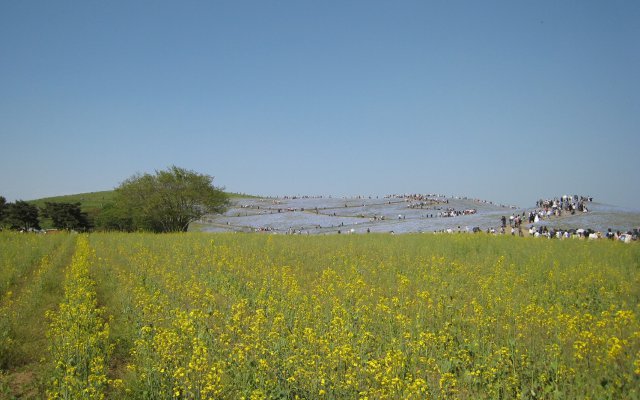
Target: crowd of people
x: 557, y: 207
x: 450, y: 212
x: 560, y: 233
x: 571, y: 204
x: 418, y: 197
x: 546, y: 209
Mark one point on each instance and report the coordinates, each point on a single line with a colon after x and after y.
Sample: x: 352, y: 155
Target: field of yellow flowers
x: 233, y: 316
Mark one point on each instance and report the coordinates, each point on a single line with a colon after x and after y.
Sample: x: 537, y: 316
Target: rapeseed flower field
x: 234, y: 316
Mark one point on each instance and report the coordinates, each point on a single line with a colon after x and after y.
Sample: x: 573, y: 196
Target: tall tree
x: 22, y: 215
x: 168, y: 201
x: 67, y: 216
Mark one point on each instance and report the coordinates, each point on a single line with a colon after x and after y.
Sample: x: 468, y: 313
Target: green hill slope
x: 94, y: 201
x: 88, y: 201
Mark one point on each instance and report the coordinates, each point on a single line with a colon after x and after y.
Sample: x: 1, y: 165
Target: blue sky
x: 506, y: 101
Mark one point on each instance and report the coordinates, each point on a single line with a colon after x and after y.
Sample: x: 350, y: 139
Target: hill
x: 93, y: 202
x: 322, y: 215
x: 88, y: 201
x: 96, y: 200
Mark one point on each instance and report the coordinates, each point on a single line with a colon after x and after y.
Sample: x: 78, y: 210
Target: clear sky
x: 507, y: 101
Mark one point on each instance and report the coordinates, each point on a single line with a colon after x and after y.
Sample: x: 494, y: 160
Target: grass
x: 96, y: 200
x: 88, y: 201
x: 23, y: 306
x: 361, y: 316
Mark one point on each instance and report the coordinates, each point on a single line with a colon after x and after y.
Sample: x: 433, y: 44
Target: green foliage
x: 30, y: 272
x: 101, y: 209
x: 94, y: 202
x: 3, y: 206
x: 67, y: 216
x: 167, y: 201
x: 22, y: 215
x: 113, y: 218
x: 91, y: 203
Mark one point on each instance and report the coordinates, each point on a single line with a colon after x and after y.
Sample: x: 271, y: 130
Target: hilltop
x: 96, y: 200
x: 89, y: 202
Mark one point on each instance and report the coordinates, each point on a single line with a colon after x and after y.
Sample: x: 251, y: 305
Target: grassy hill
x: 92, y: 202
x: 88, y: 201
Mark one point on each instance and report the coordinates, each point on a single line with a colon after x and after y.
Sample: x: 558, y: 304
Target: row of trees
x: 22, y: 215
x: 166, y: 201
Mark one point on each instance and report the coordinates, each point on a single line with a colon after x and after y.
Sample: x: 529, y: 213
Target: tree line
x: 166, y: 201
